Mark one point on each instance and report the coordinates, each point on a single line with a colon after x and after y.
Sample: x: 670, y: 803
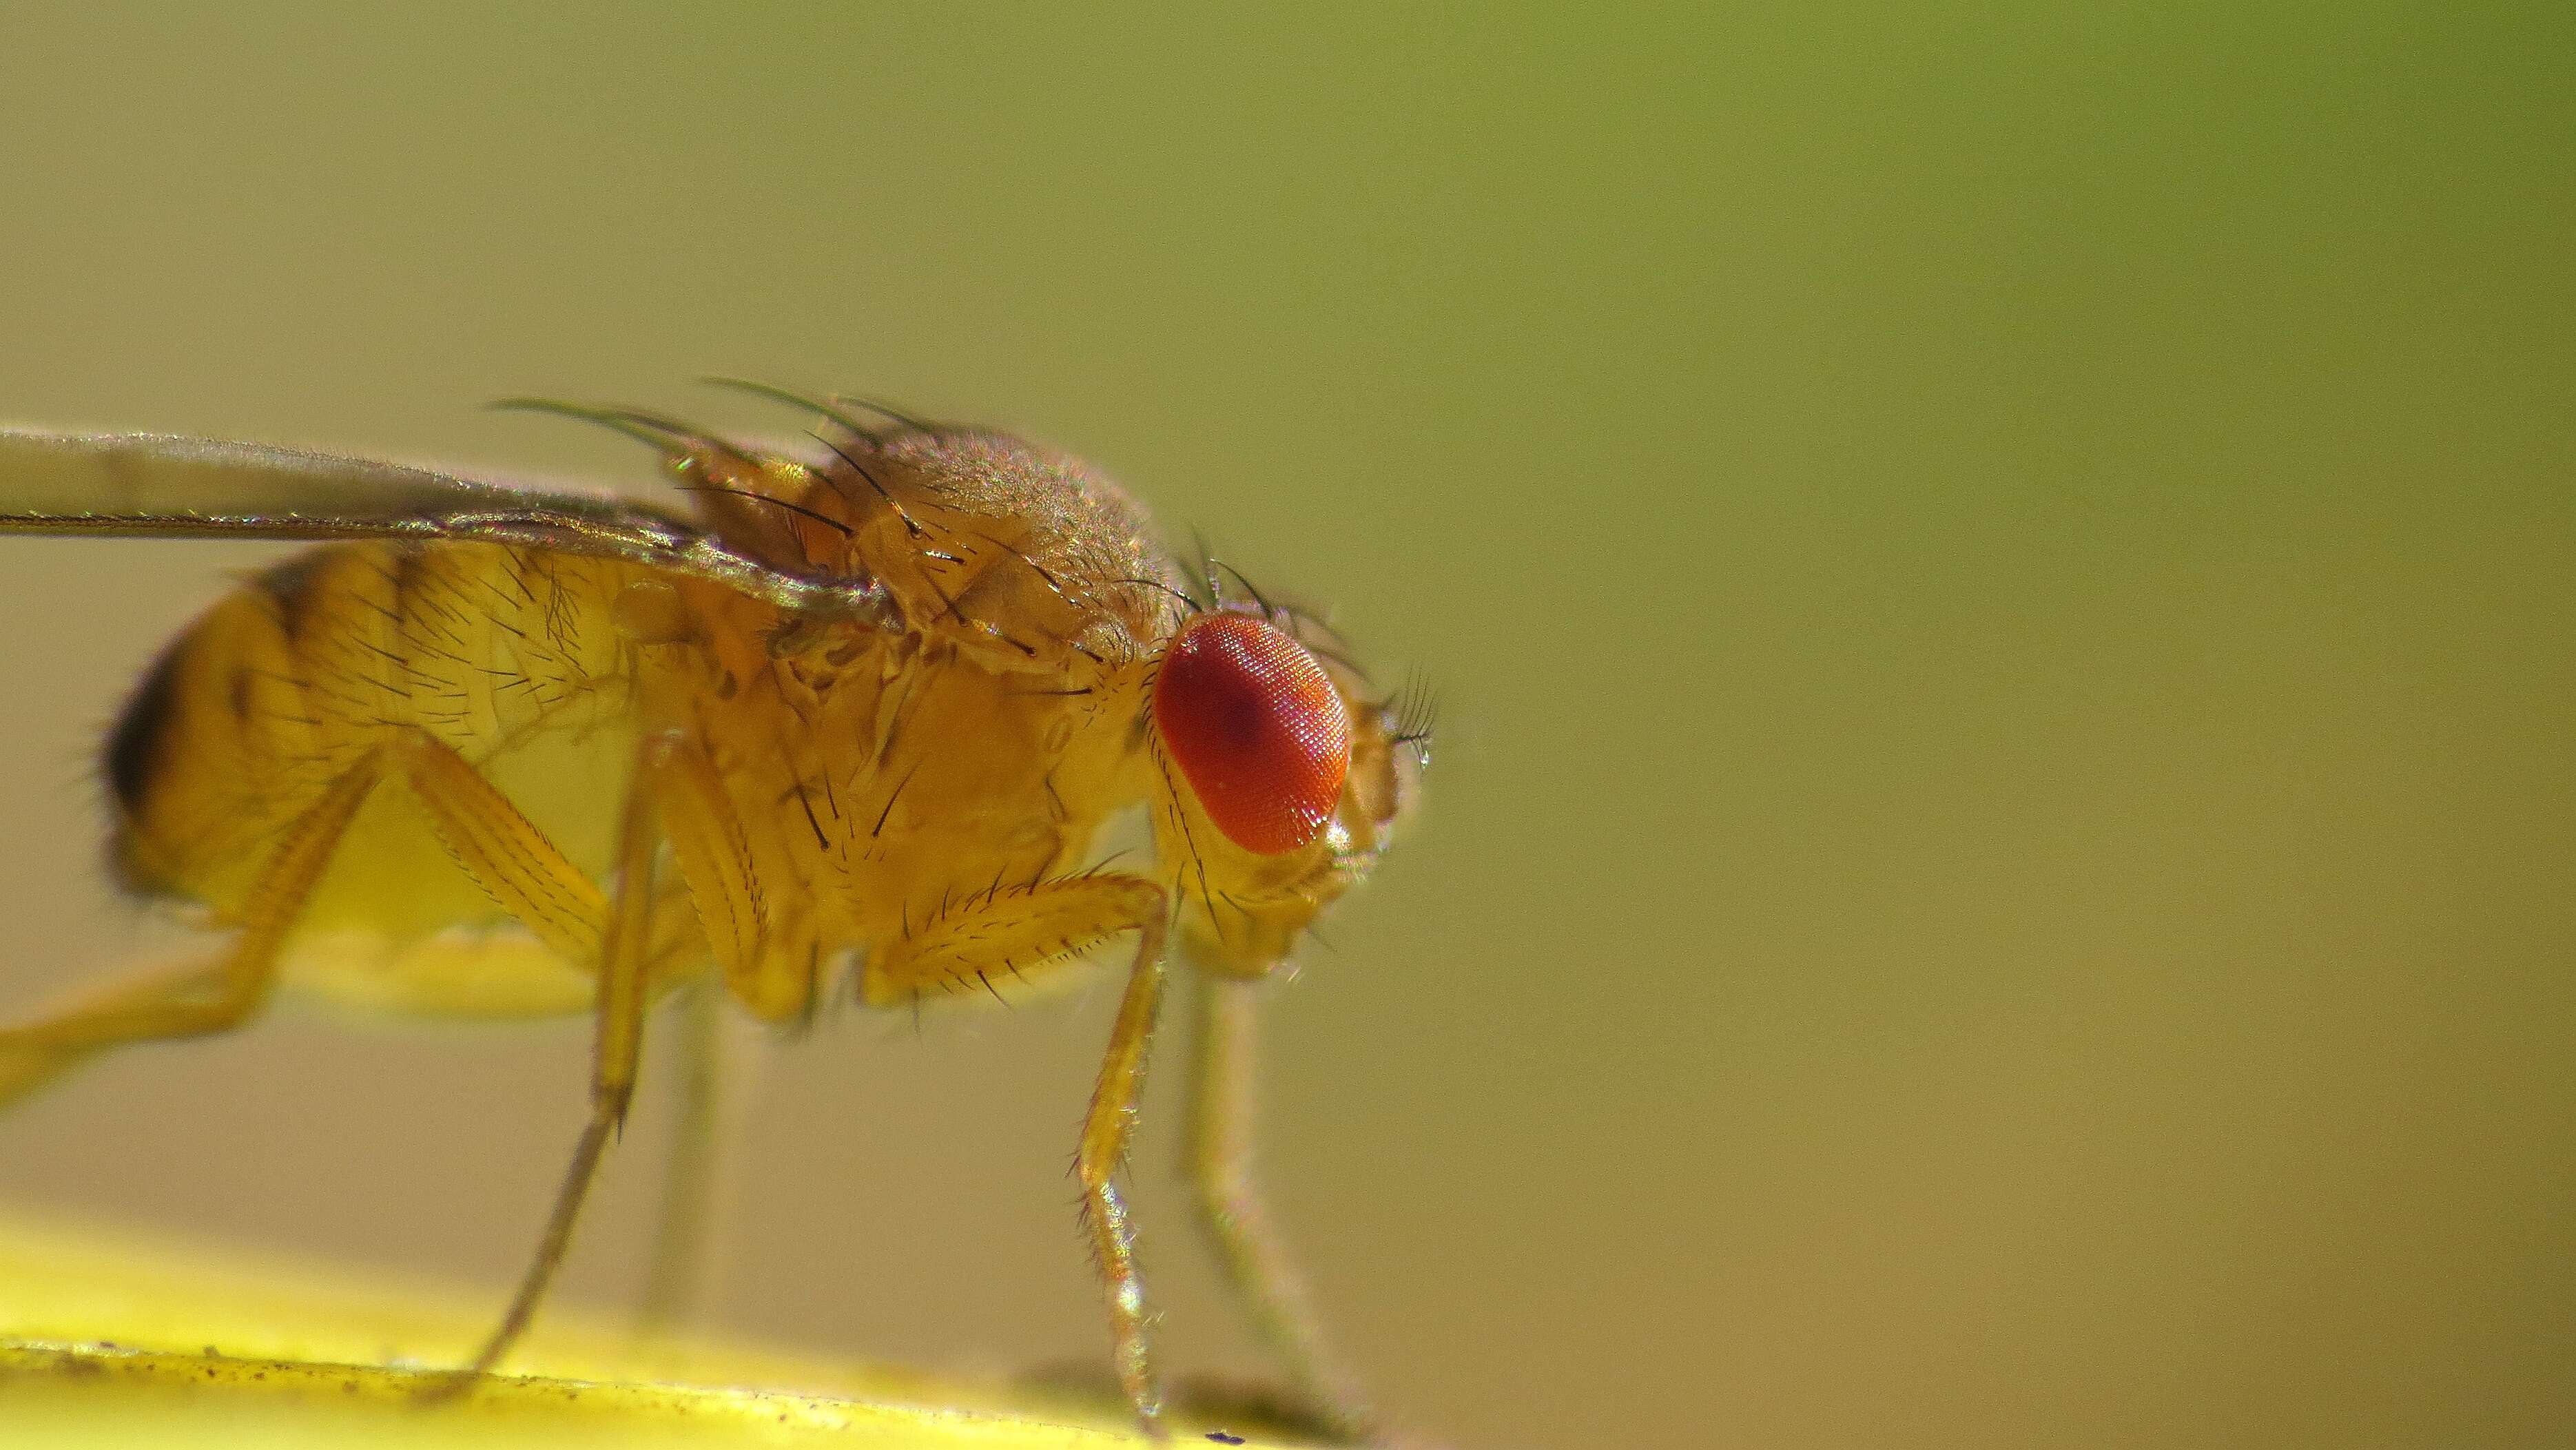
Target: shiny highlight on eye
x: 1255, y: 724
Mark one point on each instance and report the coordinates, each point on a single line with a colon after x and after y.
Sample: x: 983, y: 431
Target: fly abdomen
x: 253, y: 711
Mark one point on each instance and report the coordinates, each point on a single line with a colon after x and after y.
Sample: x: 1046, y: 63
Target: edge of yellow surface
x: 108, y: 1340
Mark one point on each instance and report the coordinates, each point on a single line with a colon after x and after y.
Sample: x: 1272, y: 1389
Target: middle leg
x: 524, y: 872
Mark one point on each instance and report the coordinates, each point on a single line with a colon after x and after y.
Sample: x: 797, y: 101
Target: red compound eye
x: 1257, y: 727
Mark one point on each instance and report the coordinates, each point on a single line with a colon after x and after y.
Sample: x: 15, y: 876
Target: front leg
x: 1010, y: 931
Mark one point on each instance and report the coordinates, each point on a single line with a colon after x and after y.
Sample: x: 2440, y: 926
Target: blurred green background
x: 2003, y: 582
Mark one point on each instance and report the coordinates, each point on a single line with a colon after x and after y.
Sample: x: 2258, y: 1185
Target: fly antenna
x: 1417, y: 717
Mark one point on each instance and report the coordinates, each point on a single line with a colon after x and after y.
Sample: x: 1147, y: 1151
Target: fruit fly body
x: 855, y: 723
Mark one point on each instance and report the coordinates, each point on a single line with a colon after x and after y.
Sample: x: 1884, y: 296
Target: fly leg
x: 1008, y: 930
x: 675, y: 796
x: 1248, y: 1245
x: 503, y: 851
x: 33, y: 1057
x: 713, y: 855
x: 205, y: 997
x: 524, y: 872
x: 682, y: 1228
x: 1105, y: 1130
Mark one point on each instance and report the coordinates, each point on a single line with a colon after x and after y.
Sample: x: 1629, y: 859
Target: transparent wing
x: 153, y: 485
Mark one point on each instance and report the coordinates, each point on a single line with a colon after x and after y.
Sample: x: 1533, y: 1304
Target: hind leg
x: 34, y: 1056
x: 198, y: 998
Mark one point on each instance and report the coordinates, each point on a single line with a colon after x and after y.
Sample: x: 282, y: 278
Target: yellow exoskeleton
x: 856, y: 722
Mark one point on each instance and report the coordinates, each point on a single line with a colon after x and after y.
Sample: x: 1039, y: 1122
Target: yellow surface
x: 105, y: 1342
